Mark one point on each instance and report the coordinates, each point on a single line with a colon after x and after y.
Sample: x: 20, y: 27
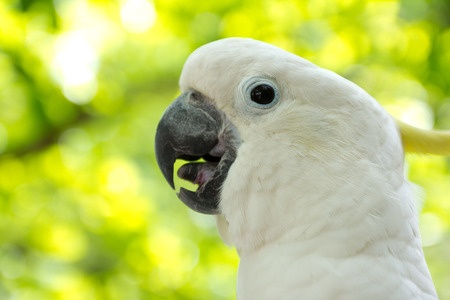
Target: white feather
x: 316, y: 202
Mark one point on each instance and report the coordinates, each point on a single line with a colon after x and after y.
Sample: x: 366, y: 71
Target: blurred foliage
x: 84, y: 211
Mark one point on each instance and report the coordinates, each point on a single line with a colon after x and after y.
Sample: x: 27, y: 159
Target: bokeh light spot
x: 137, y: 15
x: 119, y: 176
x: 62, y: 241
x: 75, y: 67
x: 174, y: 256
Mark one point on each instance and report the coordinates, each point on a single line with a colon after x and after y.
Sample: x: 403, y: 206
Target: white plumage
x: 316, y: 201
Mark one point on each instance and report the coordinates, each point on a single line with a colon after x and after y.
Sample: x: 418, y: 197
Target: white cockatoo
x: 305, y: 172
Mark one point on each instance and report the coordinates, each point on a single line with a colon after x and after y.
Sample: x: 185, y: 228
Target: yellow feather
x: 418, y: 140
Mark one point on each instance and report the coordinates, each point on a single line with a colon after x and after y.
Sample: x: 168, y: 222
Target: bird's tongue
x: 197, y: 173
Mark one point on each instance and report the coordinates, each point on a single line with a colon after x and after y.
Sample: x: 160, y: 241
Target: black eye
x: 262, y: 94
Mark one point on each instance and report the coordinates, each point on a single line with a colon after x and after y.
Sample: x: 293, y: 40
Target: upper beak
x: 191, y: 128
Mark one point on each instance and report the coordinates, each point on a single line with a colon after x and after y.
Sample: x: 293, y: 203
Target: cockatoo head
x: 266, y: 121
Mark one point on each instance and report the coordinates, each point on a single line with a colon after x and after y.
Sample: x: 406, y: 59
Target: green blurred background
x: 84, y: 211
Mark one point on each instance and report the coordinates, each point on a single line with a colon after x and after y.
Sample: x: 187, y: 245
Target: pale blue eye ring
x: 261, y: 93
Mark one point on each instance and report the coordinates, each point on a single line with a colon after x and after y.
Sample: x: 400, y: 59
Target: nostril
x: 196, y: 95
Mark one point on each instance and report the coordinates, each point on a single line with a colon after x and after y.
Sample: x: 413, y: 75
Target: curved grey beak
x: 191, y: 129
